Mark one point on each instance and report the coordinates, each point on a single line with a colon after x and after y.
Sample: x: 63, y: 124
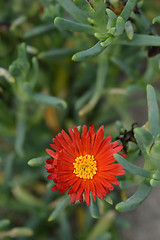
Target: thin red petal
x: 87, y: 193
x: 78, y: 140
x: 51, y: 153
x: 73, y: 198
x: 98, y: 140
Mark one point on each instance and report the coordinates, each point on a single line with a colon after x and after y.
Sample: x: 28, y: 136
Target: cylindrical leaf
x: 35, y: 162
x: 129, y: 30
x: 132, y: 168
x: 89, y: 53
x: 36, y: 32
x: 146, y: 138
x: 65, y: 24
x: 59, y: 208
x: 120, y: 24
x: 55, y: 54
x: 134, y: 201
x: 94, y: 209
x: 49, y: 100
x: 153, y: 112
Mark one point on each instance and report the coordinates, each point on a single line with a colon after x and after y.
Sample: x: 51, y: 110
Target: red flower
x: 84, y: 164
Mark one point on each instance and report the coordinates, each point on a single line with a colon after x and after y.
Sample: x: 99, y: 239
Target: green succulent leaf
x: 57, y: 53
x: 89, y: 53
x: 153, y: 111
x: 75, y: 12
x: 59, y: 208
x: 94, y: 209
x: 85, y: 7
x: 156, y: 20
x: 128, y: 9
x: 48, y: 100
x: 35, y: 162
x: 132, y: 168
x: 65, y: 24
x: 40, y: 30
x: 120, y: 25
x: 136, y: 199
x: 140, y: 40
x: 129, y: 30
x: 145, y: 137
x: 111, y: 18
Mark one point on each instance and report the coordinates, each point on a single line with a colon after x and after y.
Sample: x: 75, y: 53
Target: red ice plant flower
x: 84, y: 163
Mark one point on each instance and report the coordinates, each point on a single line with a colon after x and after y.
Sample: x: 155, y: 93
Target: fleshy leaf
x: 56, y: 53
x: 59, y: 208
x: 65, y: 24
x: 153, y: 112
x: 120, y: 24
x: 49, y: 100
x: 136, y: 199
x: 35, y: 162
x: 75, y: 12
x: 94, y: 209
x: 128, y: 9
x: 85, y: 7
x: 112, y: 18
x: 140, y: 40
x: 132, y: 168
x: 156, y: 20
x: 89, y: 53
x: 40, y: 30
x: 129, y: 30
x: 146, y: 138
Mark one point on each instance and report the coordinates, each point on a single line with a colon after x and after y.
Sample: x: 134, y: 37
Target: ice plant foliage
x: 84, y: 163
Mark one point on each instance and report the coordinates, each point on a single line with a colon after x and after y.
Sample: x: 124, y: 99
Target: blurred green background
x: 29, y: 121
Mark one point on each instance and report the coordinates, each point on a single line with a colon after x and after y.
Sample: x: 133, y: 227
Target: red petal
x: 84, y: 132
x: 109, y: 167
x: 100, y: 187
x: 87, y: 192
x: 75, y: 186
x: 105, y: 142
x: 80, y: 199
x: 118, y: 172
x: 52, y: 176
x: 71, y: 133
x: 99, y: 194
x: 48, y: 166
x: 64, y: 189
x: 50, y: 160
x: 87, y: 144
x: 106, y: 183
x: 115, y: 182
x: 55, y: 188
x: 98, y: 140
x: 65, y: 145
x: 78, y: 140
x: 52, y: 153
x: 81, y: 189
x: 73, y: 198
x: 92, y: 135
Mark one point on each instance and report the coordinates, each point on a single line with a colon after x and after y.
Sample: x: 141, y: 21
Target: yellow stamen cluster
x: 85, y: 167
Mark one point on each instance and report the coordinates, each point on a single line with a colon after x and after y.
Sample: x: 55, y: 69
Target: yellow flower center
x: 85, y: 167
